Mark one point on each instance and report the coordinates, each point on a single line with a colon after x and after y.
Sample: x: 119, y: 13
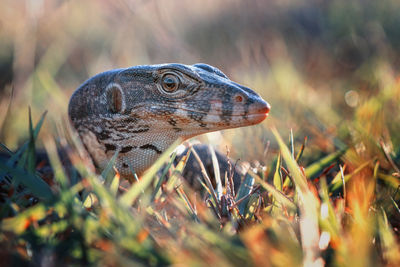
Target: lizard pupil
x: 170, y: 83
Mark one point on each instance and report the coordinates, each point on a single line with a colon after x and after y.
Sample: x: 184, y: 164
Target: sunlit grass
x: 295, y: 219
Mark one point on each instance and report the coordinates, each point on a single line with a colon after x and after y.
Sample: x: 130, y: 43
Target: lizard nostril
x: 238, y: 99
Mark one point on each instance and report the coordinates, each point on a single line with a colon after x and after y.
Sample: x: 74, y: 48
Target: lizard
x: 138, y: 112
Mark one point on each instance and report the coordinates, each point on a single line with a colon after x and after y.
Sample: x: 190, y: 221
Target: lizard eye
x: 170, y: 83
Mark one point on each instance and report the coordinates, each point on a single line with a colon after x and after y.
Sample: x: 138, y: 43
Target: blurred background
x: 326, y: 67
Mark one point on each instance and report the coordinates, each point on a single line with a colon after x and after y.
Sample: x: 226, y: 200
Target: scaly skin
x: 140, y: 111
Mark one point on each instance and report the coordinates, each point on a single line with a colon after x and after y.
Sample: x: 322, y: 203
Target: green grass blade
x: 313, y: 170
x: 19, y: 223
x: 129, y: 197
x: 390, y: 180
x: 291, y: 143
x: 303, y: 146
x: 163, y: 176
x: 390, y: 246
x: 251, y: 207
x: 277, y: 179
x: 187, y: 203
x: 177, y: 172
x: 115, y: 185
x: 59, y: 174
x: 206, y: 178
x: 5, y: 148
x: 39, y: 125
x: 217, y: 174
x: 22, y: 154
x: 35, y: 184
x: 337, y: 182
x: 245, y: 188
x: 108, y: 173
x: 31, y: 153
x: 308, y: 205
x: 277, y: 195
x: 297, y: 175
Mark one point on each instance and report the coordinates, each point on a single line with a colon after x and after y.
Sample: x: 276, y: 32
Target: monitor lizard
x: 140, y: 111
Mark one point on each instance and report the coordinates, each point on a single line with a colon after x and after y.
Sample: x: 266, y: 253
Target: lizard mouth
x: 256, y: 118
x: 215, y: 117
x: 237, y: 118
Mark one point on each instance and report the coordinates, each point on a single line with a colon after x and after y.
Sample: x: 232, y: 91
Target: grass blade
x: 129, y: 197
x: 163, y: 176
x: 35, y: 184
x: 277, y: 195
x: 277, y: 179
x: 245, y: 188
x: 303, y: 146
x: 31, y: 153
x: 338, y: 182
x: 206, y: 178
x: 108, y: 173
x: 313, y: 170
x: 309, y: 228
x: 22, y: 154
x: 217, y: 174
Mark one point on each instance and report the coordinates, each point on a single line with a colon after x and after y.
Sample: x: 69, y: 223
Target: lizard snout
x: 263, y: 107
x: 257, y: 111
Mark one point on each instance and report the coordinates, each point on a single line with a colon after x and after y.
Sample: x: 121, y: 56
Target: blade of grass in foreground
x: 35, y: 184
x: 59, y: 174
x: 317, y: 167
x: 163, y: 176
x: 206, y: 179
x: 277, y: 195
x: 245, y: 188
x: 218, y: 183
x: 308, y: 205
x: 390, y: 248
x: 5, y: 148
x: 107, y: 173
x: 31, y: 153
x: 277, y: 179
x: 20, y: 223
x: 303, y: 146
x: 129, y: 197
x: 191, y: 209
x: 22, y: 153
x: 337, y: 182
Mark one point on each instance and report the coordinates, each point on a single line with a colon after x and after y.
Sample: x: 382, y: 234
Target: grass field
x: 326, y: 161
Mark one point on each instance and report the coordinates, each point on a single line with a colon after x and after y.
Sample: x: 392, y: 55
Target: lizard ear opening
x: 115, y: 98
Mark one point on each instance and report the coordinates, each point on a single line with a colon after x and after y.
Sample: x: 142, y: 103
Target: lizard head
x: 140, y: 111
